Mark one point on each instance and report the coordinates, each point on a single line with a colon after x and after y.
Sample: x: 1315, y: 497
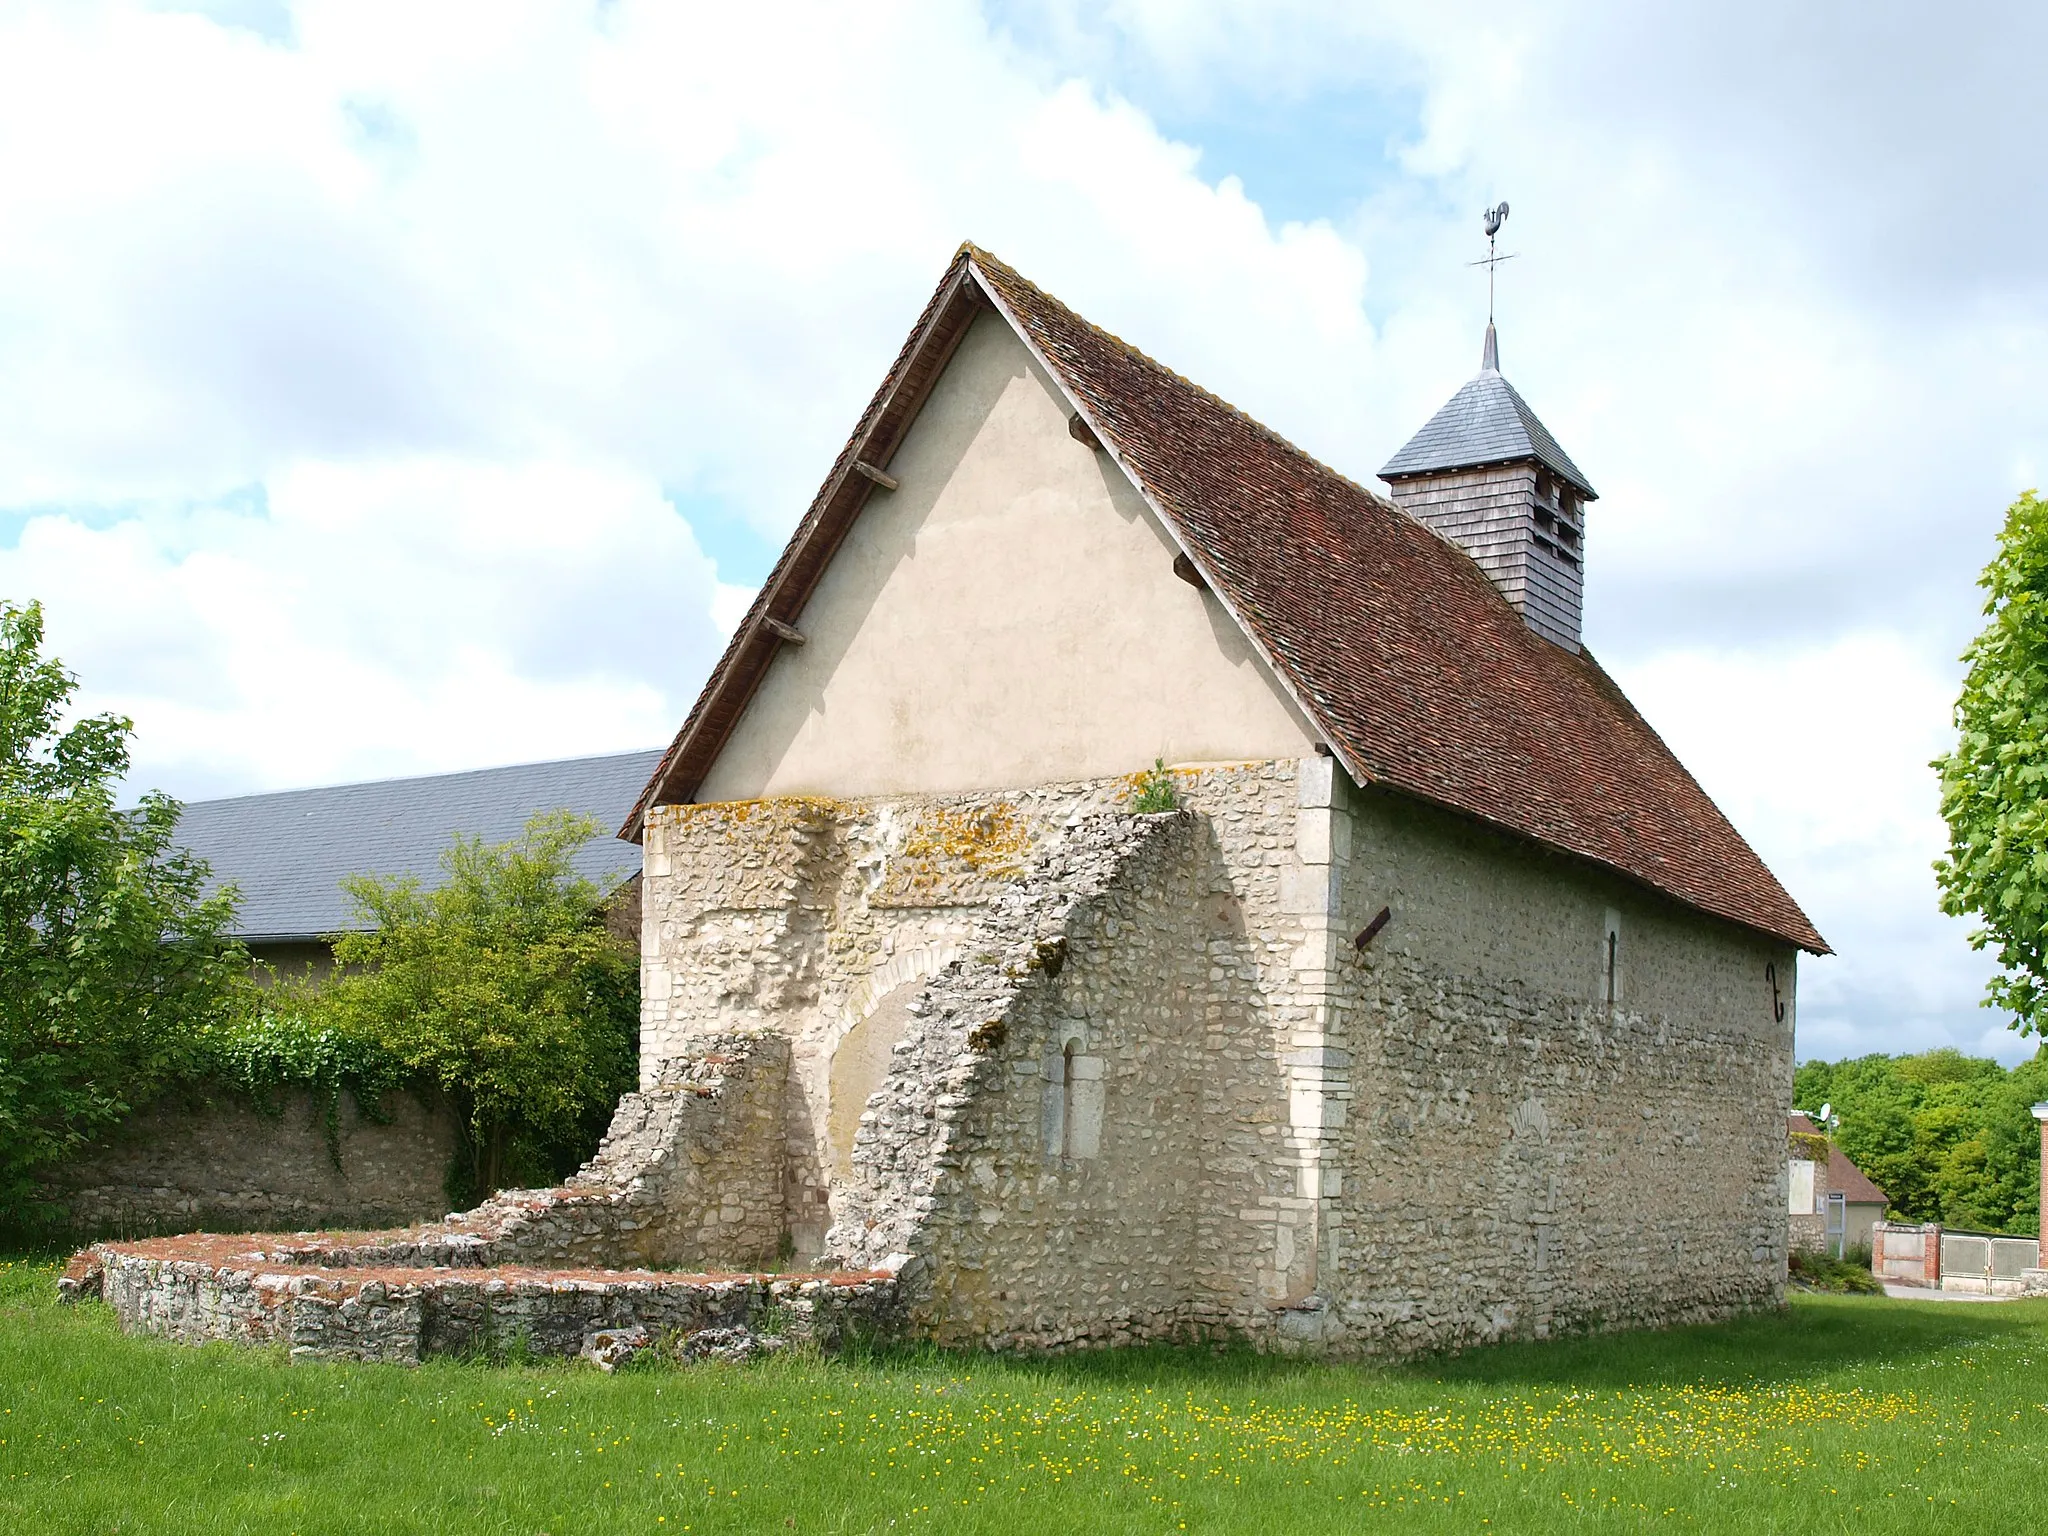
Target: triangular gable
x: 1388, y: 638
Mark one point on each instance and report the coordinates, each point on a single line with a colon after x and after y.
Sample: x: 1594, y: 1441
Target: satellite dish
x: 1827, y: 1112
x: 1494, y: 218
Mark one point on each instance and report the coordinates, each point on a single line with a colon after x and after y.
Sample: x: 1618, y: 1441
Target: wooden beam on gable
x: 783, y: 631
x: 855, y: 475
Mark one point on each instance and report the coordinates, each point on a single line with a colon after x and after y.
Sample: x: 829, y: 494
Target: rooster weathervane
x: 1492, y: 218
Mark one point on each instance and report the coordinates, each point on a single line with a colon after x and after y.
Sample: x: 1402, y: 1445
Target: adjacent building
x: 288, y: 852
x: 1831, y: 1206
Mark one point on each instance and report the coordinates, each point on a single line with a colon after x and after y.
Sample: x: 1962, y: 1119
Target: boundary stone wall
x: 183, y: 1163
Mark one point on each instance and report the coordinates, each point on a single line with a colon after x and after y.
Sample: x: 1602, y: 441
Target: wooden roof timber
x: 946, y: 318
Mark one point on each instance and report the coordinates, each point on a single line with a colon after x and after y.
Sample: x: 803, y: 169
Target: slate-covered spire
x: 1487, y: 474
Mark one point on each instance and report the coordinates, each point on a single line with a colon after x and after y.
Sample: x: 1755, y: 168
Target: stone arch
x: 874, y: 1020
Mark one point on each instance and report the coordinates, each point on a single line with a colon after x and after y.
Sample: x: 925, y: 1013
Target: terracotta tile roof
x: 1393, y: 641
x: 1851, y: 1182
x: 1844, y: 1177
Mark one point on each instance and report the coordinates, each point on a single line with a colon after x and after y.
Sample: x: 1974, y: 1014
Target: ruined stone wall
x: 1075, y: 1139
x: 818, y: 921
x: 224, y: 1164
x: 197, y: 1290
x: 686, y: 1177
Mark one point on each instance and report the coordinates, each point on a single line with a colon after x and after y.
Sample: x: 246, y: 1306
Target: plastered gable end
x: 1008, y: 616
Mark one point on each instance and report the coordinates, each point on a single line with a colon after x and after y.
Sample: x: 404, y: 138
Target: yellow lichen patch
x: 988, y: 839
x: 778, y: 810
x: 1180, y: 773
x: 1806, y: 1144
x: 952, y: 853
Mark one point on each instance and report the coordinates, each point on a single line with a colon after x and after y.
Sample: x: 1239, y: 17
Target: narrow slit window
x: 1067, y: 1098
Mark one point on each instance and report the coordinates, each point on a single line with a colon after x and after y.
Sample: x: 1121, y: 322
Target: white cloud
x: 1819, y: 755
x: 367, y: 620
x: 356, y: 354
x: 459, y: 288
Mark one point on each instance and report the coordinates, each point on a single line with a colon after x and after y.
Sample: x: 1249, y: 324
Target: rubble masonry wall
x: 223, y: 1163
x: 1443, y: 1136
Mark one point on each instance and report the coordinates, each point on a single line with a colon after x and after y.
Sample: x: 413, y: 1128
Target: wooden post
x: 2041, y: 1114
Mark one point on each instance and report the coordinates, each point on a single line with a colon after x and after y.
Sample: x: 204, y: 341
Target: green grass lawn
x: 1846, y: 1414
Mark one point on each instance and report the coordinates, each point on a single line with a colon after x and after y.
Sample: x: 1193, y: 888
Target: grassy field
x: 1845, y: 1414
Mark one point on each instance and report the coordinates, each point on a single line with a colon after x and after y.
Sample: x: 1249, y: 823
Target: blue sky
x: 395, y: 388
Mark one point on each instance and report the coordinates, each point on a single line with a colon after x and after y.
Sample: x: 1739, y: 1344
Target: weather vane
x: 1493, y: 218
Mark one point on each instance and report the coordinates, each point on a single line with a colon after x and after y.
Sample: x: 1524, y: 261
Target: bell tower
x: 1488, y: 476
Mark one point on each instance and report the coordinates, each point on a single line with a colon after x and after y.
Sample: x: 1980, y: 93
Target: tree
x: 1994, y: 785
x: 1948, y: 1137
x: 112, y: 955
x: 503, y: 986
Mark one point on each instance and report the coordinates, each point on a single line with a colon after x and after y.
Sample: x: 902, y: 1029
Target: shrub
x: 503, y: 987
x: 1152, y: 791
x: 1849, y: 1274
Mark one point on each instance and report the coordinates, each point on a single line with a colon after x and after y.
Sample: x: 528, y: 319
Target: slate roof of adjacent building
x: 289, y: 851
x: 1844, y: 1177
x: 1485, y: 422
x: 1390, y: 639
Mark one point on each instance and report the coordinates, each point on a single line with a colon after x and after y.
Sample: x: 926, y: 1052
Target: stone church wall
x: 1073, y: 1141
x: 1533, y: 1156
x: 1096, y: 1078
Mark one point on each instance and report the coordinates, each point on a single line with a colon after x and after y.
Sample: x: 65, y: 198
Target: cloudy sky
x: 389, y: 386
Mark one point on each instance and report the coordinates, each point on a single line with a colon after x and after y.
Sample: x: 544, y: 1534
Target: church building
x: 1417, y: 997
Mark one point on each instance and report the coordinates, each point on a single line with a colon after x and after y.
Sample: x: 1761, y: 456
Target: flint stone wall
x: 1075, y: 1141
x: 1535, y: 1157
x: 818, y: 921
x: 1458, y: 1129
x: 223, y: 1163
x: 1316, y: 1067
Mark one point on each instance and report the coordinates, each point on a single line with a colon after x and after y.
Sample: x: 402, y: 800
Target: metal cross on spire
x: 1493, y: 218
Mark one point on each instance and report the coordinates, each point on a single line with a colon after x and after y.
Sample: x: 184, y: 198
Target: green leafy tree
x: 113, y: 958
x: 503, y: 986
x: 1948, y: 1137
x: 1994, y: 785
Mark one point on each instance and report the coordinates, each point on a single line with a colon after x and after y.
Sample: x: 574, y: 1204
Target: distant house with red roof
x: 1432, y: 1001
x: 1830, y: 1204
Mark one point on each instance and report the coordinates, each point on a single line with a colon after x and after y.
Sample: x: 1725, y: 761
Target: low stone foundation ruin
x: 321, y: 1307
x: 669, y: 1188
